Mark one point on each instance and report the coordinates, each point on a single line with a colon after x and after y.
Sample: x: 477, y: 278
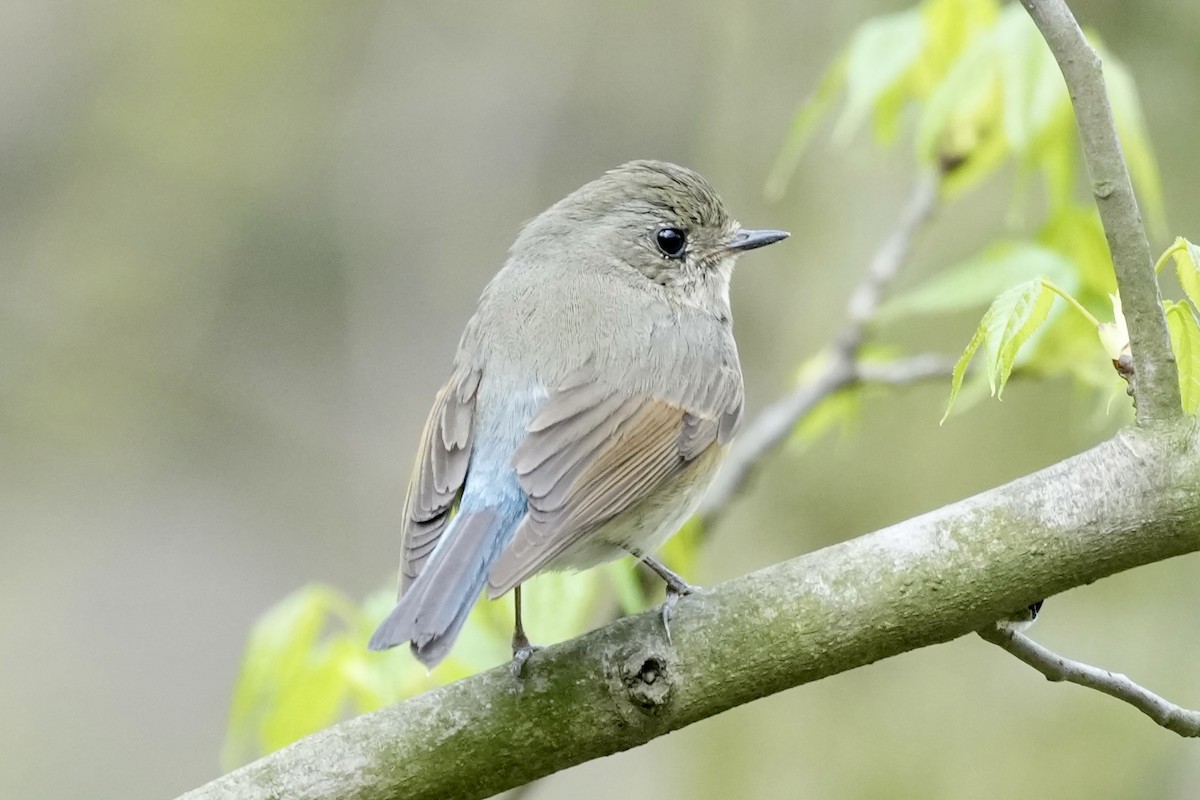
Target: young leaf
x: 1187, y: 267
x: 960, y: 368
x: 1114, y: 336
x: 1185, y: 341
x: 977, y: 280
x: 1033, y: 84
x: 1010, y: 321
x: 882, y: 51
x: 283, y: 654
x: 956, y: 115
x: 1074, y: 230
x: 1007, y: 324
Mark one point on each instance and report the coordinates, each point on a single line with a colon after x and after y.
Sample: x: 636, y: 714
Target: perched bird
x: 593, y: 395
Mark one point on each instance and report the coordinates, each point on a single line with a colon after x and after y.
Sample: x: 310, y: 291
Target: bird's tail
x: 432, y: 612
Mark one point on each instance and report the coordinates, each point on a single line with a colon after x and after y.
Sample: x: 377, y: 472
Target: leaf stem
x: 1180, y: 244
x: 1058, y: 290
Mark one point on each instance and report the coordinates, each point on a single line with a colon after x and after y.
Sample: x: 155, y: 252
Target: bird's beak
x: 749, y: 240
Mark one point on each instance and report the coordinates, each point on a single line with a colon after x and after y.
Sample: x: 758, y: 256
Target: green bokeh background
x: 238, y: 242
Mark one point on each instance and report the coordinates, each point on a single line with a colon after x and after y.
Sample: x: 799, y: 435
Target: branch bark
x: 1156, y: 382
x: 1130, y: 501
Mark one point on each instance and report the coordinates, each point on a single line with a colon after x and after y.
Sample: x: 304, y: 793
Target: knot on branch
x: 646, y: 680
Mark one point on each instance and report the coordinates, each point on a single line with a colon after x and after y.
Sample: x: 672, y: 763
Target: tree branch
x: 1130, y: 501
x: 1183, y: 721
x: 1156, y: 382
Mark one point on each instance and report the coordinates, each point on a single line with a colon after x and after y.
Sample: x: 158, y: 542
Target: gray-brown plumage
x: 593, y: 394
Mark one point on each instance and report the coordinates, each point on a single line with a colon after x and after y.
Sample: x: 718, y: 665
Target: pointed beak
x: 749, y: 240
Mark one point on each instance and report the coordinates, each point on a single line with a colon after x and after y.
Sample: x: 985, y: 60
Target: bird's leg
x: 521, y: 647
x: 676, y: 586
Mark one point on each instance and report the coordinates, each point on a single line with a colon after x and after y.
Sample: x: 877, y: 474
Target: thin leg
x: 676, y: 587
x: 521, y: 647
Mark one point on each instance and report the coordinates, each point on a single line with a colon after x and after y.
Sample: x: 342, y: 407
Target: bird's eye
x: 670, y: 241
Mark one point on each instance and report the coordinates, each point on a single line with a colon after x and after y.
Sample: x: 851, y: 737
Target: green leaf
x: 307, y: 699
x: 950, y: 124
x: 1008, y: 323
x: 1075, y: 231
x: 1185, y: 340
x: 960, y: 368
x: 978, y: 280
x: 880, y: 54
x: 1032, y: 83
x: 1187, y: 267
x: 1011, y: 320
x: 281, y: 655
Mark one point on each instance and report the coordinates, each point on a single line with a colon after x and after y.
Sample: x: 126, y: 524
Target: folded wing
x: 439, y: 473
x: 593, y: 452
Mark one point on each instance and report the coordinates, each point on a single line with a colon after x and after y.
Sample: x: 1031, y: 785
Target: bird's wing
x: 438, y: 475
x: 592, y: 452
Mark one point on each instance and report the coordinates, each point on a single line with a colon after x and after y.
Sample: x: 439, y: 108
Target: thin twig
x: 775, y: 423
x: 1175, y: 718
x: 1156, y: 383
x: 904, y: 371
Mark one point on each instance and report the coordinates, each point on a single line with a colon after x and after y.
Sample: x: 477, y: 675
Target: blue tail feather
x: 433, y: 610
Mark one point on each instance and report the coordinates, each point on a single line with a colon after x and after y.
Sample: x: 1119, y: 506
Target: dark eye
x: 670, y: 241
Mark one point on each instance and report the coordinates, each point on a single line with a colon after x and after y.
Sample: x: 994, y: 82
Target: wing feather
x: 440, y: 470
x: 593, y: 452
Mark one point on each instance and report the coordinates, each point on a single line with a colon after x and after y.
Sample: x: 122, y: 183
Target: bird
x: 593, y: 394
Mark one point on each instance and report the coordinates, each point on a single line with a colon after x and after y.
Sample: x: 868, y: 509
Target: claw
x: 522, y: 650
x: 676, y: 587
x: 521, y: 647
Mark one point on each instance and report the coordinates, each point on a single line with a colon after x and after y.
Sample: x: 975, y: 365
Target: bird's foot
x: 522, y: 650
x: 675, y: 590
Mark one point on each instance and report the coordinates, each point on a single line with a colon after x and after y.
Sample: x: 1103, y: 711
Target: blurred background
x: 238, y: 243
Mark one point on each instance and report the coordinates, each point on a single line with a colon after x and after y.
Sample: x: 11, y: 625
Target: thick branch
x: 1181, y: 720
x: 1156, y: 383
x: 1133, y: 500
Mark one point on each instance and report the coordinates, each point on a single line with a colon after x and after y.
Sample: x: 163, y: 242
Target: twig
x: 1156, y: 384
x: 774, y: 423
x: 1175, y: 718
x: 903, y: 371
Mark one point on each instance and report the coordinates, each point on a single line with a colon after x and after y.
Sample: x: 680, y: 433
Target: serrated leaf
x: 960, y: 368
x: 1187, y: 267
x: 881, y: 52
x: 1185, y: 341
x: 978, y: 280
x: 1008, y: 323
